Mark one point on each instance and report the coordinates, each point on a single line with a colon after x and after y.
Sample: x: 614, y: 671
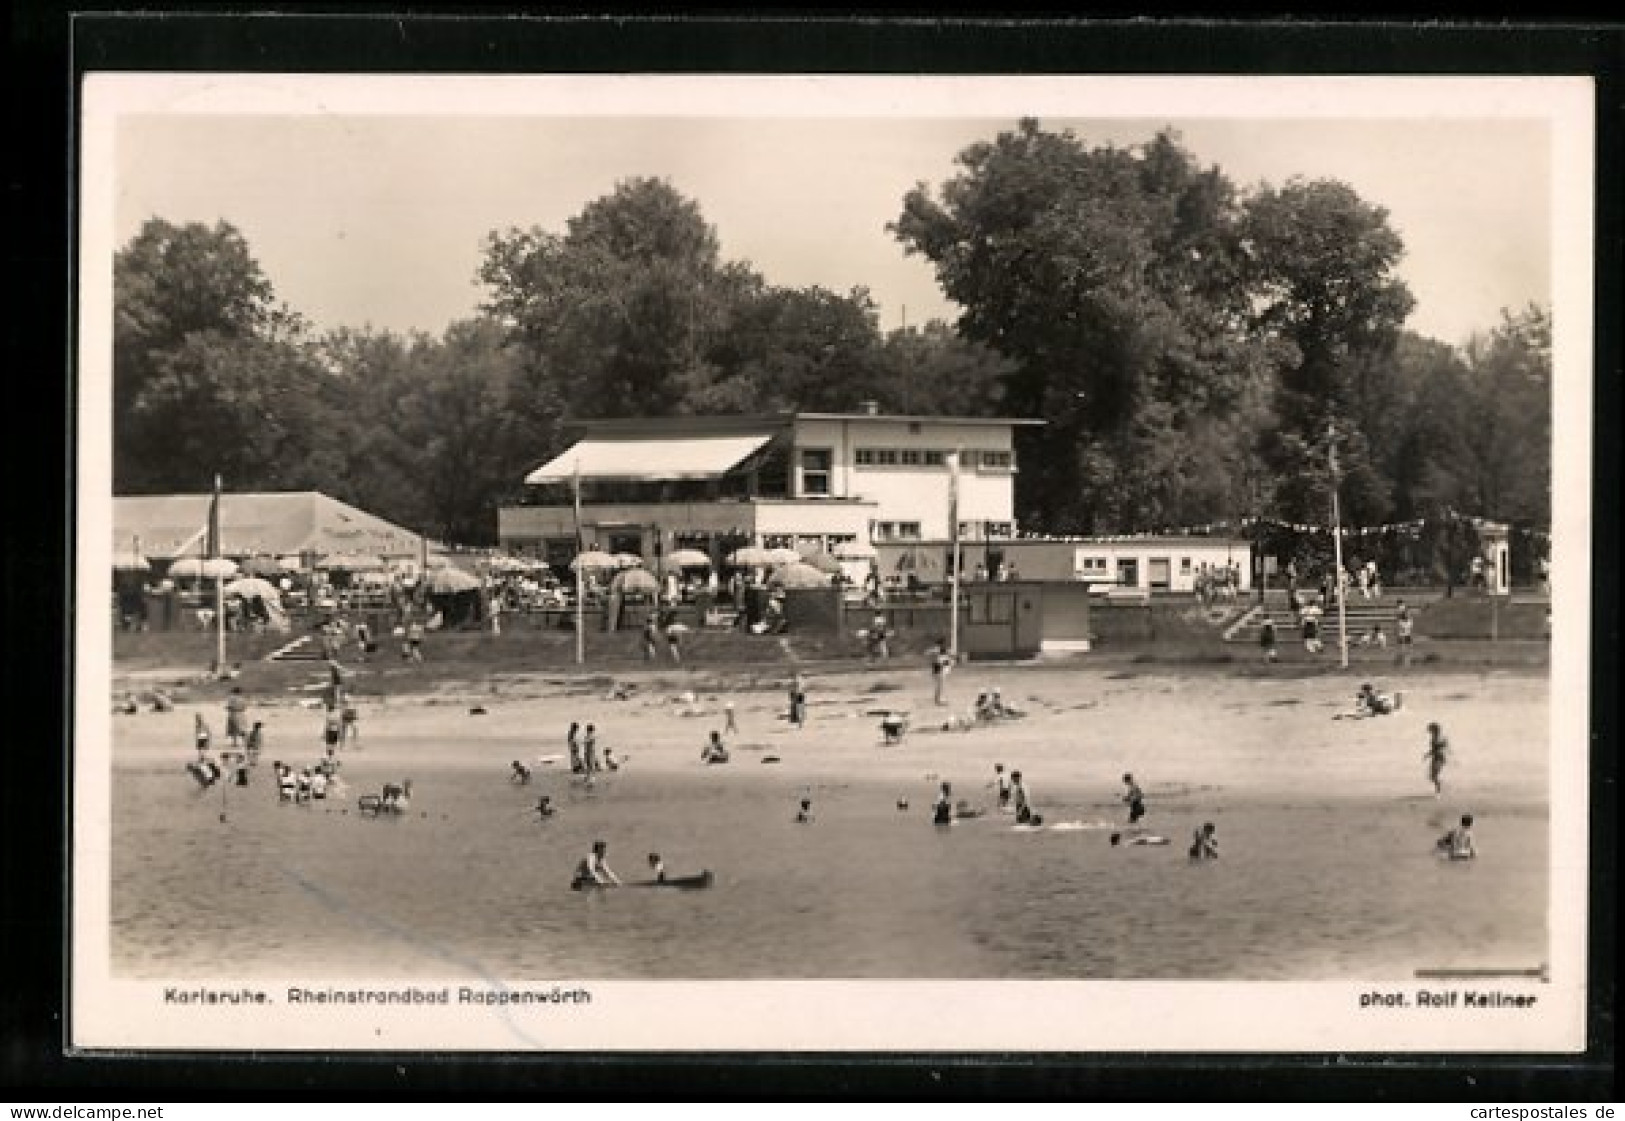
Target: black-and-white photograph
x: 611, y: 562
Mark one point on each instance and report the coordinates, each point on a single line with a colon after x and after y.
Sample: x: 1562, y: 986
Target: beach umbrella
x: 854, y: 550
x: 751, y: 556
x: 198, y: 568
x: 822, y: 561
x: 687, y: 558
x: 351, y: 562
x: 252, y: 587
x: 783, y: 556
x: 449, y: 581
x: 627, y: 560
x: 592, y: 559
x: 799, y: 576
x: 635, y: 580
x: 128, y: 560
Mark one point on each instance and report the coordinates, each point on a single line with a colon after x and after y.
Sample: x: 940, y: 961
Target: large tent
x: 297, y: 523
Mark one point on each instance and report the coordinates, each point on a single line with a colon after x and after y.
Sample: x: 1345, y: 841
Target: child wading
x: 1436, y: 755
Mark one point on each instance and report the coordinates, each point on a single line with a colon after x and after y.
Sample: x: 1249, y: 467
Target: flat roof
x: 921, y: 418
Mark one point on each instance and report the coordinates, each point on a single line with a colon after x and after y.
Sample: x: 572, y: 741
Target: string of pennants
x: 1411, y: 528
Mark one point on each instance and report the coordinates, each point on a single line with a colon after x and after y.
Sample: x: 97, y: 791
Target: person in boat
x: 1205, y: 843
x: 942, y: 810
x: 1134, y: 799
x: 1457, y: 844
x: 1118, y: 839
x: 804, y: 815
x: 657, y: 868
x: 593, y: 868
x: 714, y: 751
x: 519, y: 775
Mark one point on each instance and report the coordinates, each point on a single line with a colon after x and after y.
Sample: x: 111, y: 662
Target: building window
x: 897, y: 531
x: 815, y: 471
x: 910, y: 457
x: 1184, y: 564
x: 968, y: 530
x: 778, y: 541
x: 1094, y: 565
x: 999, y: 529
x: 886, y: 457
x: 994, y: 461
x: 864, y: 457
x: 934, y: 458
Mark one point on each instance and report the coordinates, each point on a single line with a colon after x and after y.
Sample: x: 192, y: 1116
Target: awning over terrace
x: 650, y: 460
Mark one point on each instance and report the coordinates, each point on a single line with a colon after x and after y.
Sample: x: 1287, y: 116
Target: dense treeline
x: 1200, y: 354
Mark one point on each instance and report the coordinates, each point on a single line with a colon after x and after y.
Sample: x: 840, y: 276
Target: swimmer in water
x: 1458, y: 843
x: 942, y: 810
x: 1205, y: 843
x: 544, y: 808
x: 1001, y: 787
x: 1134, y: 799
x: 520, y: 774
x: 804, y: 815
x: 593, y: 869
x: 1137, y: 839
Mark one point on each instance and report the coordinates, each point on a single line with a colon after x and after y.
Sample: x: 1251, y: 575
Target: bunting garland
x: 1411, y: 528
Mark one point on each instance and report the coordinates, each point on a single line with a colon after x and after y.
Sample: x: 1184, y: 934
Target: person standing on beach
x: 651, y: 636
x: 573, y: 739
x: 798, y: 701
x: 589, y: 750
x: 236, y: 717
x: 1266, y: 639
x: 1435, y: 756
x: 941, y: 663
x: 1403, y: 625
x: 730, y: 726
x: 201, y: 735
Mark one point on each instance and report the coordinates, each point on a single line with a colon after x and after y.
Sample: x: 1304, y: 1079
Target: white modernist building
x: 801, y: 480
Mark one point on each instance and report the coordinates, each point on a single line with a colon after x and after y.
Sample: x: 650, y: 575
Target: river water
x: 470, y: 883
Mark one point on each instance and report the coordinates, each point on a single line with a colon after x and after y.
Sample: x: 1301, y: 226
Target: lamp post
x: 1337, y: 551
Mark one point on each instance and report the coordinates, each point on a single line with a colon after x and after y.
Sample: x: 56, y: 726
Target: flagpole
x: 219, y: 583
x: 953, y: 579
x: 1337, y: 552
x: 581, y: 595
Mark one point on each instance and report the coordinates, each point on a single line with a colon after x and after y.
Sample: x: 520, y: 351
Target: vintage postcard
x: 622, y: 563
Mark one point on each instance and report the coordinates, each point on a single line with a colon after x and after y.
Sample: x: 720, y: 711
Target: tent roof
x: 175, y: 525
x: 634, y: 459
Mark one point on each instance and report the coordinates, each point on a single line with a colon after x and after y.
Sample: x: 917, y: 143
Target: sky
x: 370, y: 206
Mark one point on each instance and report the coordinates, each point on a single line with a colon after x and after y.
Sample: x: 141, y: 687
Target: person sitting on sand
x: 204, y: 771
x: 1205, y: 843
x: 1134, y: 799
x: 610, y: 762
x: 318, y: 784
x: 302, y: 788
x: 1137, y: 839
x: 1458, y: 843
x: 804, y: 814
x: 1372, y: 703
x: 286, y: 784
x: 1002, y: 709
x: 397, y: 799
x: 892, y: 726
x: 942, y: 810
x: 983, y: 708
x: 520, y: 774
x: 593, y: 868
x: 714, y: 751
x: 657, y: 868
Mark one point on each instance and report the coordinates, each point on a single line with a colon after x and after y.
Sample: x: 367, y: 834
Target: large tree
x: 1108, y: 276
